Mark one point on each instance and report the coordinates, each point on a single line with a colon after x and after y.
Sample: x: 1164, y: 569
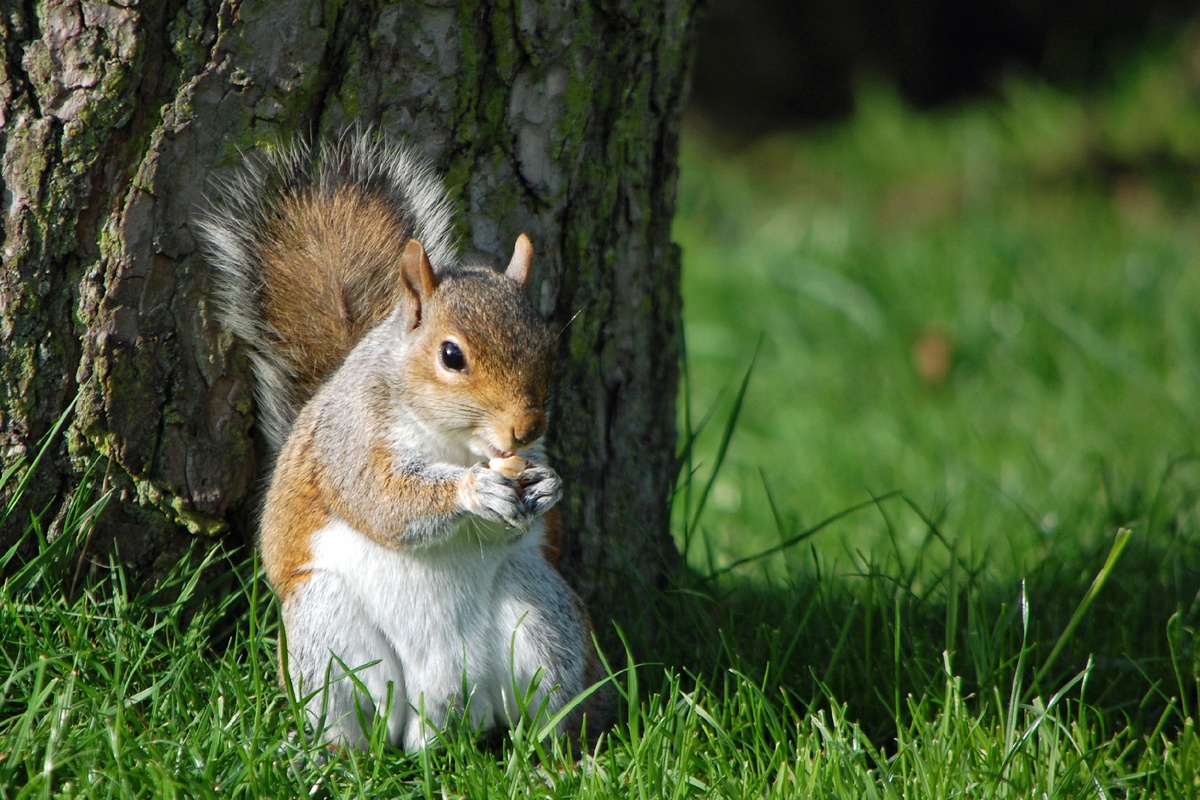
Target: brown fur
x: 552, y: 546
x: 294, y: 511
x: 399, y: 494
x: 331, y: 266
x: 305, y: 494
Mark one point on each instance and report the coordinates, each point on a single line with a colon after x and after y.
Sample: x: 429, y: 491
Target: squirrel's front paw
x: 541, y: 489
x: 488, y: 494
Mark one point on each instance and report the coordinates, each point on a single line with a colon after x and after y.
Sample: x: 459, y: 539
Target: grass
x: 939, y: 497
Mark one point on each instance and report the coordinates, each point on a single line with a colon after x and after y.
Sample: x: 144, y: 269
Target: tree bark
x: 557, y: 119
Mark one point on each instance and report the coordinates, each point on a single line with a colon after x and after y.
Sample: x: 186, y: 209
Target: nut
x: 509, y: 467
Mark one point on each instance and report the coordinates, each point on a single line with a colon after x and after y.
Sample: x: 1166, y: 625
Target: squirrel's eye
x: 452, y: 357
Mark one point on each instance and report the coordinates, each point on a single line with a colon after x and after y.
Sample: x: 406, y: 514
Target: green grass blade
x: 46, y: 442
x: 726, y: 436
x: 1114, y: 555
x: 796, y: 539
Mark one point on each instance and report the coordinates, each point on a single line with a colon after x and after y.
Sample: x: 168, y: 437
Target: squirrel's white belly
x: 437, y: 608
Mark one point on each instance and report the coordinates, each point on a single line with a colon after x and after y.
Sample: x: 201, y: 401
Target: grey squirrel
x: 409, y: 528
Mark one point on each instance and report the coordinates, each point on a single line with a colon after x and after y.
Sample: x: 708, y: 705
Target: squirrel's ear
x: 521, y: 266
x: 417, y: 281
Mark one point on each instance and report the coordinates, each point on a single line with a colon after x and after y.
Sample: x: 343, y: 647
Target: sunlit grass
x: 1001, y: 324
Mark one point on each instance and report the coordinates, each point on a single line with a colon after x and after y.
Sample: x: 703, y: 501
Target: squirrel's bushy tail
x: 305, y: 245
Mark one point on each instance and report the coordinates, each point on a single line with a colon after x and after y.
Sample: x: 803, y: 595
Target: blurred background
x: 955, y: 245
x: 767, y: 64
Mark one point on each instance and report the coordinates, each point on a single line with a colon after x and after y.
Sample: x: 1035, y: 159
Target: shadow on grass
x: 1125, y: 610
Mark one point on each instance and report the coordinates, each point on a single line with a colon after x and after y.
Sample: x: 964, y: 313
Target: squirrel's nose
x: 526, y: 430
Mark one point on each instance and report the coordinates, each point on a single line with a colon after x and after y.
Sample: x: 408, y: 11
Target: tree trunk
x: 557, y: 119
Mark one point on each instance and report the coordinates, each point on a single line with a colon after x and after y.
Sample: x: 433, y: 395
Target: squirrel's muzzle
x: 528, y: 428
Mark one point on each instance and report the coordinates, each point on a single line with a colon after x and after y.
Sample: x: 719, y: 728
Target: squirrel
x: 409, y: 529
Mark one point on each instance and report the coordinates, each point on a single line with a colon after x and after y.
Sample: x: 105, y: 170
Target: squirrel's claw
x: 487, y: 494
x: 541, y: 490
